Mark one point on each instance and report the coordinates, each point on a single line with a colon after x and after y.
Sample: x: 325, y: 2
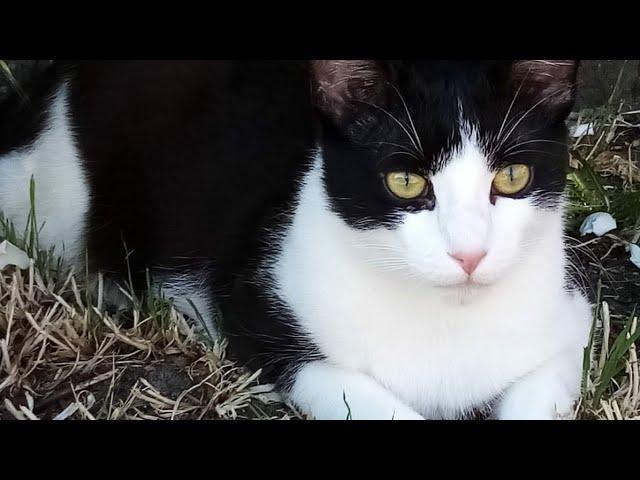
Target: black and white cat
x: 385, y: 238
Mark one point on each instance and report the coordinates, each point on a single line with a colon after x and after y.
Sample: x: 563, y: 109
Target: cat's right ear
x: 551, y: 83
x: 340, y: 85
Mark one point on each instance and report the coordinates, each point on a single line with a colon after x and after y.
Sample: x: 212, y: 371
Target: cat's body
x: 108, y: 133
x: 353, y: 300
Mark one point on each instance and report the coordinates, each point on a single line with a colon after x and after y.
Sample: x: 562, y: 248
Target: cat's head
x: 447, y: 171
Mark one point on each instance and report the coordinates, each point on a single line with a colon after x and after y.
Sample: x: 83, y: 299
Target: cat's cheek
x: 426, y: 251
x: 513, y: 236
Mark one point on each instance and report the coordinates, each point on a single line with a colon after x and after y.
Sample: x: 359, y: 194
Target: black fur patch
x: 185, y: 158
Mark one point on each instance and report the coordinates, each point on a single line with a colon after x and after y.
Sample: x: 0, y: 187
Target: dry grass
x: 62, y: 357
x: 612, y: 381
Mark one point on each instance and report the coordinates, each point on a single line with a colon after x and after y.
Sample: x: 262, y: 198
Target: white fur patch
x: 391, y: 305
x: 61, y: 189
x: 191, y: 296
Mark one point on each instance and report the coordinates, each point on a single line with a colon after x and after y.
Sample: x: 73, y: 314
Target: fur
x: 473, y: 343
x: 61, y: 188
x: 259, y: 186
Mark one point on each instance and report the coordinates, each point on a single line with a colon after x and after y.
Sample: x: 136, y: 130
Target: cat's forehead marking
x: 464, y: 143
x: 466, y: 165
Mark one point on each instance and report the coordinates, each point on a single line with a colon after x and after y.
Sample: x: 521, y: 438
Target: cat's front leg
x: 548, y: 393
x: 327, y: 392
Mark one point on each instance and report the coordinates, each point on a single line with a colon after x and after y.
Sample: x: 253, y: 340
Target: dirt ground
x: 609, y: 263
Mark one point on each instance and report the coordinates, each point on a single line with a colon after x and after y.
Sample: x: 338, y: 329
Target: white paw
x: 327, y: 392
x: 372, y: 407
x: 534, y: 402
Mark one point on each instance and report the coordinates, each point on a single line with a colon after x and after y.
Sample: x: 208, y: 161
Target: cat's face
x: 448, y: 172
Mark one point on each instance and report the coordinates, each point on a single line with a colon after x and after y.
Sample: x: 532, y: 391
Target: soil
x: 608, y: 263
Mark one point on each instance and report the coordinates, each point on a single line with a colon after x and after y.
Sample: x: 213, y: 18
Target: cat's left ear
x: 551, y: 83
x: 342, y: 85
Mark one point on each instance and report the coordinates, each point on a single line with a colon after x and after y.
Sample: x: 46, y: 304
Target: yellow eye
x: 512, y: 179
x: 406, y: 185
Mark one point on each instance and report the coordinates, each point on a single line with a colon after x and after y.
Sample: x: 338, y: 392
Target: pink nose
x: 469, y: 260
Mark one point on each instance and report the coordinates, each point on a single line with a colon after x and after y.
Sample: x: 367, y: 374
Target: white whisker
x: 404, y: 128
x: 533, y: 141
x: 513, y: 101
x: 525, y: 114
x: 415, y: 132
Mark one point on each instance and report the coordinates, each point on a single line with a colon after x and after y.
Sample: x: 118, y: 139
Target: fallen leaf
x: 12, y: 255
x: 598, y: 223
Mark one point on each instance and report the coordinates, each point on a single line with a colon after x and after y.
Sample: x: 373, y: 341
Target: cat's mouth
x: 470, y: 283
x: 464, y: 292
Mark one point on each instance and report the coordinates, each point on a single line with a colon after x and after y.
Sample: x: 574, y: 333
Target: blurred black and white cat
x: 385, y: 238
